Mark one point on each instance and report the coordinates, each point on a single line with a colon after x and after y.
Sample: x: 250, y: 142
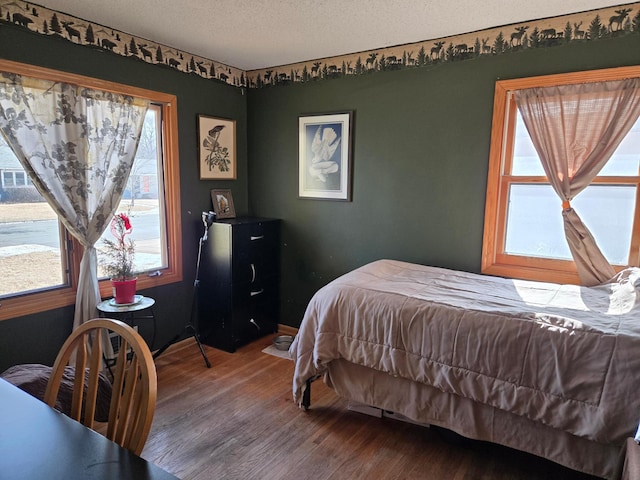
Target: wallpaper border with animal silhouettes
x: 580, y: 27
x: 49, y: 22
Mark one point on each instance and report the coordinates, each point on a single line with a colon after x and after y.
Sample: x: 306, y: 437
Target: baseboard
x: 185, y: 342
x: 287, y: 330
x: 282, y: 329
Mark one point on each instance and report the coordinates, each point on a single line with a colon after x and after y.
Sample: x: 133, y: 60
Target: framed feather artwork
x: 324, y: 160
x: 216, y: 148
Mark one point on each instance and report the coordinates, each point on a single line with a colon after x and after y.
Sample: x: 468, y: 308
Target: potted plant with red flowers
x: 119, y: 254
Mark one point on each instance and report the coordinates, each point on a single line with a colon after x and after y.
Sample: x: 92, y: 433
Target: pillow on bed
x: 623, y: 291
x: 628, y: 275
x: 33, y: 379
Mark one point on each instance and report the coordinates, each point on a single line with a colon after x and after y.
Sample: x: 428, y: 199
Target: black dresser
x: 239, y: 291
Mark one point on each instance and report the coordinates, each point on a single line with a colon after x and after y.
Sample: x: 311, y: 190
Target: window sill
x: 32, y: 303
x: 536, y: 269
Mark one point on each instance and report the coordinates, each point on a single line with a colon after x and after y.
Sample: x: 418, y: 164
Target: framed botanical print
x: 216, y: 148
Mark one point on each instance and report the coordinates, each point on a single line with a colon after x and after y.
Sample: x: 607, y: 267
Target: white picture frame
x: 324, y: 160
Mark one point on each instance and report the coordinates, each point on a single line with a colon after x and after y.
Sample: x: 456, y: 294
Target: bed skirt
x: 425, y: 404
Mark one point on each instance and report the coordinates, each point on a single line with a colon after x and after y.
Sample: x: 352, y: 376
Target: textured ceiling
x: 253, y: 34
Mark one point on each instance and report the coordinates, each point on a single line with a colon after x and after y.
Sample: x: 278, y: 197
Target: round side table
x: 130, y: 312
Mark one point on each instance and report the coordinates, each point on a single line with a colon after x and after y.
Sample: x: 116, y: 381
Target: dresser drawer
x: 255, y: 310
x: 260, y: 295
x: 255, y: 250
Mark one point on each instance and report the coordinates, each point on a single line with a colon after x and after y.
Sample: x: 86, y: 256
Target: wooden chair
x: 133, y: 398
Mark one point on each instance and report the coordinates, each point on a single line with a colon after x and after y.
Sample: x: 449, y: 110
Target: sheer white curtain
x: 575, y: 130
x: 77, y: 145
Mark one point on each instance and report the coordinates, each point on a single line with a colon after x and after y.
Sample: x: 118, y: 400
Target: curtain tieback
x: 566, y: 205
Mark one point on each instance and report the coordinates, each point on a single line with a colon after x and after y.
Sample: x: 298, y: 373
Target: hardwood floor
x: 237, y: 420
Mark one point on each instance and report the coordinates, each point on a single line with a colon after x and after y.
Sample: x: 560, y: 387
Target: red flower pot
x: 124, y: 291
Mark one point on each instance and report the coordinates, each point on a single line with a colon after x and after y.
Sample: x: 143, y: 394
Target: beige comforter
x: 562, y: 355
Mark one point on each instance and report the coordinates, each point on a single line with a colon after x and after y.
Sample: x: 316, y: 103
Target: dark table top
x: 37, y: 442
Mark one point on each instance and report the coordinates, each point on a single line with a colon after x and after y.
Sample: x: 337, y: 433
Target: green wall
x: 37, y: 338
x: 421, y: 147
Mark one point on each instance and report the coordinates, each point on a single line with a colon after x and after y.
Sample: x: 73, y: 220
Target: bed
x: 544, y: 368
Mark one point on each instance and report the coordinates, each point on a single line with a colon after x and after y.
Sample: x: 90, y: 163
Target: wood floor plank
x: 237, y: 420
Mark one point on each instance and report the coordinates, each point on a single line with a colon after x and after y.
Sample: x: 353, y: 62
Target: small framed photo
x: 324, y: 160
x: 216, y: 148
x: 223, y: 203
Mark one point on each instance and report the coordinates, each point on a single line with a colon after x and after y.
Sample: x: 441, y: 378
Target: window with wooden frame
x: 40, y: 260
x: 523, y: 229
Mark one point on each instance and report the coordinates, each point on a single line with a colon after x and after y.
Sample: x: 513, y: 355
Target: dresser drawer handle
x: 259, y: 237
x: 254, y: 323
x: 253, y: 273
x: 256, y: 292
